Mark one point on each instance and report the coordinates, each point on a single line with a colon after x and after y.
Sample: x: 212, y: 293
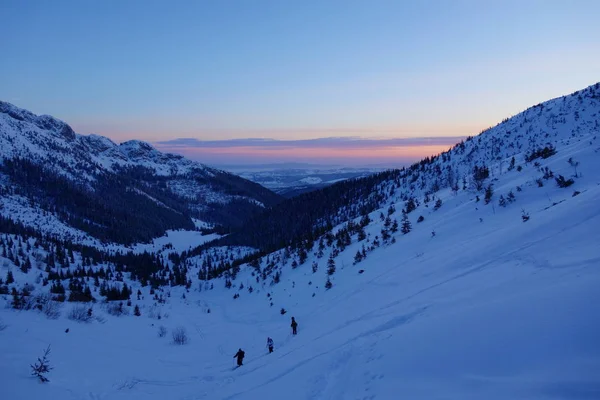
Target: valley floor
x: 498, y: 309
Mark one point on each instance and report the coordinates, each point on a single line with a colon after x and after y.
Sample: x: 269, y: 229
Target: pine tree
x: 489, y: 192
x: 136, y: 311
x: 57, y: 288
x: 330, y: 266
x: 26, y: 265
x: 88, y: 294
x: 365, y: 220
x: 511, y: 197
x: 361, y: 234
x: 388, y: 222
x: 321, y: 245
x: 125, y: 292
x: 385, y: 234
x: 302, y: 256
x: 502, y: 201
x: 17, y: 301
x: 9, y: 278
x: 42, y: 367
x: 406, y: 226
x: 328, y: 284
x: 479, y: 176
x: 357, y: 257
x: 410, y: 205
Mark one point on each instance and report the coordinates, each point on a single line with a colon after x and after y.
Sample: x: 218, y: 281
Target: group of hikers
x: 270, y: 345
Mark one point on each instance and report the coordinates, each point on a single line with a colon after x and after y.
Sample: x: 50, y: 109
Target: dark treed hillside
x: 115, y: 211
x: 310, y: 214
x: 238, y: 209
x: 145, y: 267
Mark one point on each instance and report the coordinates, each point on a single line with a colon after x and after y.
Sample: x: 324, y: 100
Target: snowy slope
x: 491, y: 306
x: 570, y: 122
x: 492, y: 311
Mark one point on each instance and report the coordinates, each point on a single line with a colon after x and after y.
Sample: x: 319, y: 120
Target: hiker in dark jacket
x: 240, y: 356
x: 294, y: 326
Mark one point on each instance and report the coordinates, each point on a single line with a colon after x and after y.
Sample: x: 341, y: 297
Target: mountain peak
x: 137, y: 148
x: 46, y: 122
x: 56, y: 125
x: 99, y: 143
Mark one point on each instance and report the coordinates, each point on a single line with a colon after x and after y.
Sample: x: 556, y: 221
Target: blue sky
x: 212, y: 70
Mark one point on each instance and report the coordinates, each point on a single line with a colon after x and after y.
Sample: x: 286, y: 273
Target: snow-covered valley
x: 480, y: 299
x: 498, y: 309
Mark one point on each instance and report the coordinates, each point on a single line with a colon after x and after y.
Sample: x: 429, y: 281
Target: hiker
x: 270, y: 344
x: 294, y: 326
x: 240, y: 357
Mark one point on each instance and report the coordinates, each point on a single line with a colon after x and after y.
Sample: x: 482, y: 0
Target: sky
x: 293, y: 70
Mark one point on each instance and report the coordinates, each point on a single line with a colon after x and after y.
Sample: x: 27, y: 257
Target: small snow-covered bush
x: 48, y: 306
x: 180, y: 336
x: 162, y: 331
x: 117, y: 309
x: 563, y: 183
x: 154, y: 313
x: 80, y: 313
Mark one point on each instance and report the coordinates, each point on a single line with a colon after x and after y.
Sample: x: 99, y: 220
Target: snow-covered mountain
x: 49, y: 174
x: 526, y: 140
x: 465, y: 276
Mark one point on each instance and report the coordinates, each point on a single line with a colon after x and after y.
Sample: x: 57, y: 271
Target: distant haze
x: 339, y: 151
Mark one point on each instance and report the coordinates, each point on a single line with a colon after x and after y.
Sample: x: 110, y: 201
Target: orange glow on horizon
x: 315, y: 153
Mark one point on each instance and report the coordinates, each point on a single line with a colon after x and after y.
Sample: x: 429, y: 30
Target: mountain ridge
x: 495, y: 151
x: 49, y: 149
